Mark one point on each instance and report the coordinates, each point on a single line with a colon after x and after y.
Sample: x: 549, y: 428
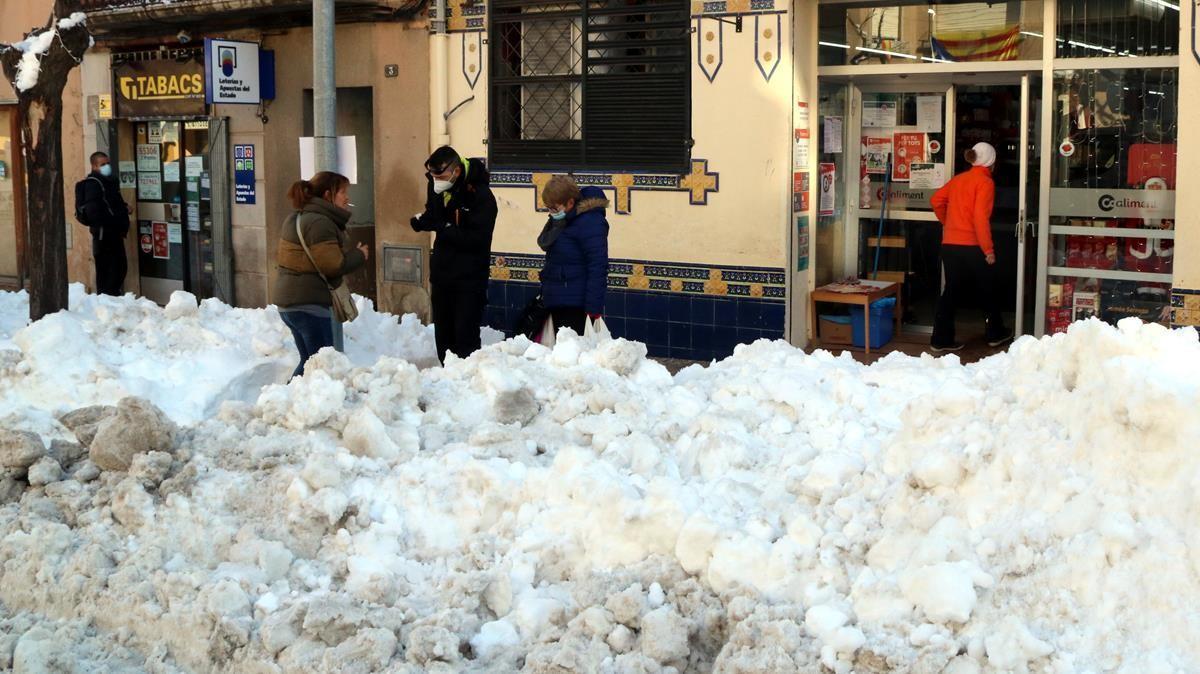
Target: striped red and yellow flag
x: 1001, y: 45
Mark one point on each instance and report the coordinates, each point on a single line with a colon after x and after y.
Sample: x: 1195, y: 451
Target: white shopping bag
x: 597, y: 329
x: 546, y: 339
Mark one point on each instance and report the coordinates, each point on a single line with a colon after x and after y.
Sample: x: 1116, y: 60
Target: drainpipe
x: 439, y: 56
x: 324, y: 88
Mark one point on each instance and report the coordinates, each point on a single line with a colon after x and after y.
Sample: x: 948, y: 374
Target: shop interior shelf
x: 1115, y: 232
x: 1112, y: 274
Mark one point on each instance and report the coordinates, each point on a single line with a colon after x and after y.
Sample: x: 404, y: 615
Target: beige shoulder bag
x: 342, y: 302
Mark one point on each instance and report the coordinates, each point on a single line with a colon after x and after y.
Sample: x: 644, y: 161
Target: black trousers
x: 111, y: 265
x: 966, y: 274
x: 457, y: 316
x: 569, y: 317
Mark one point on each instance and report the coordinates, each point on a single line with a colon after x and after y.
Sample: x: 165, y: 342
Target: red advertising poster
x: 162, y: 247
x: 800, y: 189
x: 828, y: 195
x: 909, y: 147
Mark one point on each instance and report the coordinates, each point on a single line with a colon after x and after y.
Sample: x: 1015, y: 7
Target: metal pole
x: 324, y: 88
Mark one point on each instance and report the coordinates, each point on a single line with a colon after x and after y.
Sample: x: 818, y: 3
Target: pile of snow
x: 188, y: 357
x: 580, y: 509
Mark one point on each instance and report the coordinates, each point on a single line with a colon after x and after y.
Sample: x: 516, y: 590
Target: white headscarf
x: 985, y: 155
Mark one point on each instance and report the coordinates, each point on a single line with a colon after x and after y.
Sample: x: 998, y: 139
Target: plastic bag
x: 597, y: 329
x: 546, y: 338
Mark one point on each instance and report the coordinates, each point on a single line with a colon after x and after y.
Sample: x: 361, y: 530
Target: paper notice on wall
x: 879, y: 114
x: 193, y: 217
x: 149, y: 186
x: 171, y: 172
x: 128, y: 174
x: 927, y: 176
x: 800, y: 190
x: 875, y: 154
x: 193, y: 166
x: 156, y: 133
x: 347, y: 158
x: 908, y: 147
x: 832, y: 137
x: 828, y: 186
x: 174, y: 232
x: 800, y: 150
x: 147, y: 158
x: 929, y: 114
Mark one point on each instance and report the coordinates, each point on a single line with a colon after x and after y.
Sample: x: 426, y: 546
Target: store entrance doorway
x: 907, y: 140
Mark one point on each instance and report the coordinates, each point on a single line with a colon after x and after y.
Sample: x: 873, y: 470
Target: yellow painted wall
x: 741, y: 124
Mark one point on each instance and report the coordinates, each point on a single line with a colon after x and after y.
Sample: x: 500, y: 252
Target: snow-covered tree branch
x: 38, y: 67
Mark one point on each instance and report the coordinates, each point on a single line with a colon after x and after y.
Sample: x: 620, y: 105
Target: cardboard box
x: 1085, y: 305
x: 834, y: 331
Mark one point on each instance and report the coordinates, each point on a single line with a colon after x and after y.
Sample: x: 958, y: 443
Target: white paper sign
x: 193, y: 217
x: 156, y: 133
x: 149, y: 186
x: 174, y: 232
x: 147, y: 158
x: 925, y: 176
x: 193, y: 166
x: 833, y: 135
x: 800, y: 150
x: 929, y: 114
x: 171, y: 172
x: 879, y: 114
x: 347, y: 158
x: 128, y: 174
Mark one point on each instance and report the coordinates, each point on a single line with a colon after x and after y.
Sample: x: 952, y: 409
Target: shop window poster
x: 875, y: 153
x: 879, y: 114
x: 908, y: 147
x: 149, y: 187
x: 147, y: 158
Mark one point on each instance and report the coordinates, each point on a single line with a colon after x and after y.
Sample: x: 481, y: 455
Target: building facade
x: 751, y: 149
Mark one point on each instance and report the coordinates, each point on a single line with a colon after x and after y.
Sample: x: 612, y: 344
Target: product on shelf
x: 1085, y: 305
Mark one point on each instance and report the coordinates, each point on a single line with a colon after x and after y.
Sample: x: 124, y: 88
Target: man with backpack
x: 99, y: 206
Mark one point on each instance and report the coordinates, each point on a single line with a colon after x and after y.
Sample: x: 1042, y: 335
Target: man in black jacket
x: 107, y: 216
x: 461, y: 210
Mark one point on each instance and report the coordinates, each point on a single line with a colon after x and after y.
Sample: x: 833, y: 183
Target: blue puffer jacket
x: 576, y: 271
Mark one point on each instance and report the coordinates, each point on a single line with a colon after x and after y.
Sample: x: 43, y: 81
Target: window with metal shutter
x: 600, y: 85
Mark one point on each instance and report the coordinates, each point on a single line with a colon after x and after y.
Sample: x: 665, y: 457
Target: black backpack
x: 81, y: 200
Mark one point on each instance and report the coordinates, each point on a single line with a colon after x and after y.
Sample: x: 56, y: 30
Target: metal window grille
x: 590, y: 84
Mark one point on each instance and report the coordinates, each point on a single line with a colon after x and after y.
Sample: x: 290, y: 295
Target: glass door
x: 902, y: 143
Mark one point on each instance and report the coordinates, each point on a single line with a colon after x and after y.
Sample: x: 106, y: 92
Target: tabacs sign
x: 231, y: 71
x: 158, y: 88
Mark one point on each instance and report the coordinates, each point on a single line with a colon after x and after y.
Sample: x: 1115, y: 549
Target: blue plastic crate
x: 882, y: 323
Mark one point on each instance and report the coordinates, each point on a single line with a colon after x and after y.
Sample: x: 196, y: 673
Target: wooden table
x: 870, y: 292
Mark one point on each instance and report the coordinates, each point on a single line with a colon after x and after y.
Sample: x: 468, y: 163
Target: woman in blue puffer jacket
x: 575, y: 239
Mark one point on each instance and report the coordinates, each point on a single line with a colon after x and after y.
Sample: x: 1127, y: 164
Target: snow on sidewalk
x: 581, y: 509
x: 187, y: 357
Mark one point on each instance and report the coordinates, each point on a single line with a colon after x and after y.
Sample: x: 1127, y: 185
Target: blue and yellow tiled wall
x: 1185, y: 308
x: 697, y: 312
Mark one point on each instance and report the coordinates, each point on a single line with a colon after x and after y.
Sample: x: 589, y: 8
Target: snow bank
x: 579, y: 509
x: 188, y: 357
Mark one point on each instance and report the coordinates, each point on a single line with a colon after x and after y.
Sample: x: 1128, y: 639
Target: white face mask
x: 440, y: 186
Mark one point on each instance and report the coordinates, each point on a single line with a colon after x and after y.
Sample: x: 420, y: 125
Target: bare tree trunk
x: 40, y: 108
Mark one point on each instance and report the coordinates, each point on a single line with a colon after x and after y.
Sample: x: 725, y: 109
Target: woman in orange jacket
x: 964, y: 207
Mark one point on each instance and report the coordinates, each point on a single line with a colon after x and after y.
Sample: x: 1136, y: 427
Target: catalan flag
x: 1001, y: 45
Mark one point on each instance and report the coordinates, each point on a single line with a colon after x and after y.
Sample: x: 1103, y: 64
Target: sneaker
x: 945, y: 349
x: 997, y: 341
